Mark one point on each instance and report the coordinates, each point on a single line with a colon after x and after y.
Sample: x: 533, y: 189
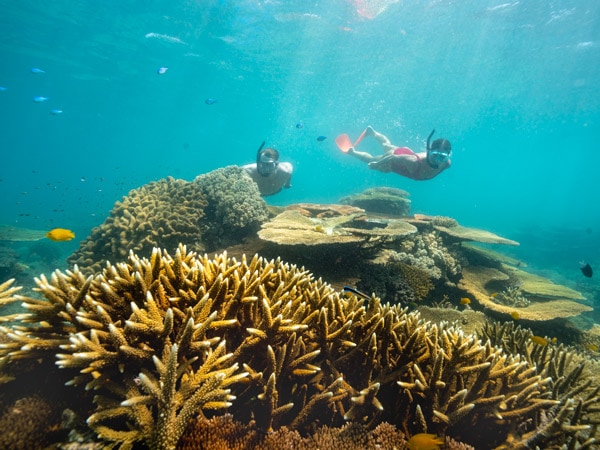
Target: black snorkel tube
x: 434, y: 166
x: 258, y: 152
x: 428, y: 140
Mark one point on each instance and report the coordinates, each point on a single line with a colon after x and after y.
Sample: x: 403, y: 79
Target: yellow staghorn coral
x: 163, y: 340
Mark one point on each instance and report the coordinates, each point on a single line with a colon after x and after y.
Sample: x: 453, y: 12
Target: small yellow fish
x: 515, y: 315
x: 465, y: 301
x: 424, y: 441
x: 592, y: 347
x: 60, y: 234
x: 553, y: 340
x: 539, y: 340
x: 320, y: 229
x: 494, y: 295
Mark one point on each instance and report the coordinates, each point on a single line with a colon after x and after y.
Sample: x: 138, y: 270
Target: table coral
x: 384, y: 200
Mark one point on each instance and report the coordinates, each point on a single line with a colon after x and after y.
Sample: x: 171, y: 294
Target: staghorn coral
x: 164, y: 339
x: 158, y: 214
x: 573, y: 421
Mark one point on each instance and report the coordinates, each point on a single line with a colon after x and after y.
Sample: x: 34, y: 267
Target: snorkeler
x: 401, y: 160
x: 269, y: 174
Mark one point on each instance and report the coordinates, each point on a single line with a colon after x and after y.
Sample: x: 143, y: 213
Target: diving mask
x: 439, y: 157
x: 267, y: 166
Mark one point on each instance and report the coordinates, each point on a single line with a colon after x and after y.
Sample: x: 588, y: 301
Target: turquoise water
x: 515, y: 86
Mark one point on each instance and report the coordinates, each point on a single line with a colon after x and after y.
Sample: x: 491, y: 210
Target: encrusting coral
x: 166, y: 339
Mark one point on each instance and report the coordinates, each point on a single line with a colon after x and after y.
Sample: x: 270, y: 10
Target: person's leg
x: 381, y: 138
x: 363, y: 156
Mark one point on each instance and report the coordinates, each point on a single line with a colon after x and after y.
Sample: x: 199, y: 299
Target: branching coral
x: 165, y: 339
x: 573, y: 420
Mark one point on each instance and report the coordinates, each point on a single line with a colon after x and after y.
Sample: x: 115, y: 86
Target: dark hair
x: 442, y: 145
x: 268, y: 153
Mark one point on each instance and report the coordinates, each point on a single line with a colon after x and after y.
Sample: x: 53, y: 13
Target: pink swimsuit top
x: 401, y: 169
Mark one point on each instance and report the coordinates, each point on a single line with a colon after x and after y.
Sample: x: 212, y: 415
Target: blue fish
x: 36, y: 70
x: 40, y: 99
x: 321, y: 138
x: 162, y: 70
x: 356, y: 292
x: 300, y: 125
x: 56, y: 112
x: 2, y: 88
x: 210, y: 101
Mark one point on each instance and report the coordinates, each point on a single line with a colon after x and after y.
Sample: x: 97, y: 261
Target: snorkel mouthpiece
x: 428, y: 139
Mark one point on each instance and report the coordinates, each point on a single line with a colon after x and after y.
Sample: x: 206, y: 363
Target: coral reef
x: 163, y: 340
x: 387, y: 280
x: 485, y: 284
x: 223, y: 433
x: 9, y: 263
x: 235, y: 208
x: 572, y: 422
x: 512, y: 296
x: 160, y: 213
x: 427, y: 251
x: 217, y: 209
x: 383, y: 200
x: 316, y: 235
x: 10, y: 233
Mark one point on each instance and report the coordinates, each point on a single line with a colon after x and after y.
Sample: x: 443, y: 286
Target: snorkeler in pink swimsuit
x: 402, y: 160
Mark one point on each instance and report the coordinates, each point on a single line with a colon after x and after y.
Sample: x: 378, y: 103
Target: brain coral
x: 235, y: 207
x: 217, y: 209
x: 162, y: 340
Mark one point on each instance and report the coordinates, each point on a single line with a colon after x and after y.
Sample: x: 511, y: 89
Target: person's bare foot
x: 369, y: 131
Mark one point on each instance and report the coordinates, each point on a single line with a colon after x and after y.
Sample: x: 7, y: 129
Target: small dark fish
x: 356, y: 292
x: 321, y: 138
x: 586, y: 269
x: 210, y: 101
x: 300, y: 125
